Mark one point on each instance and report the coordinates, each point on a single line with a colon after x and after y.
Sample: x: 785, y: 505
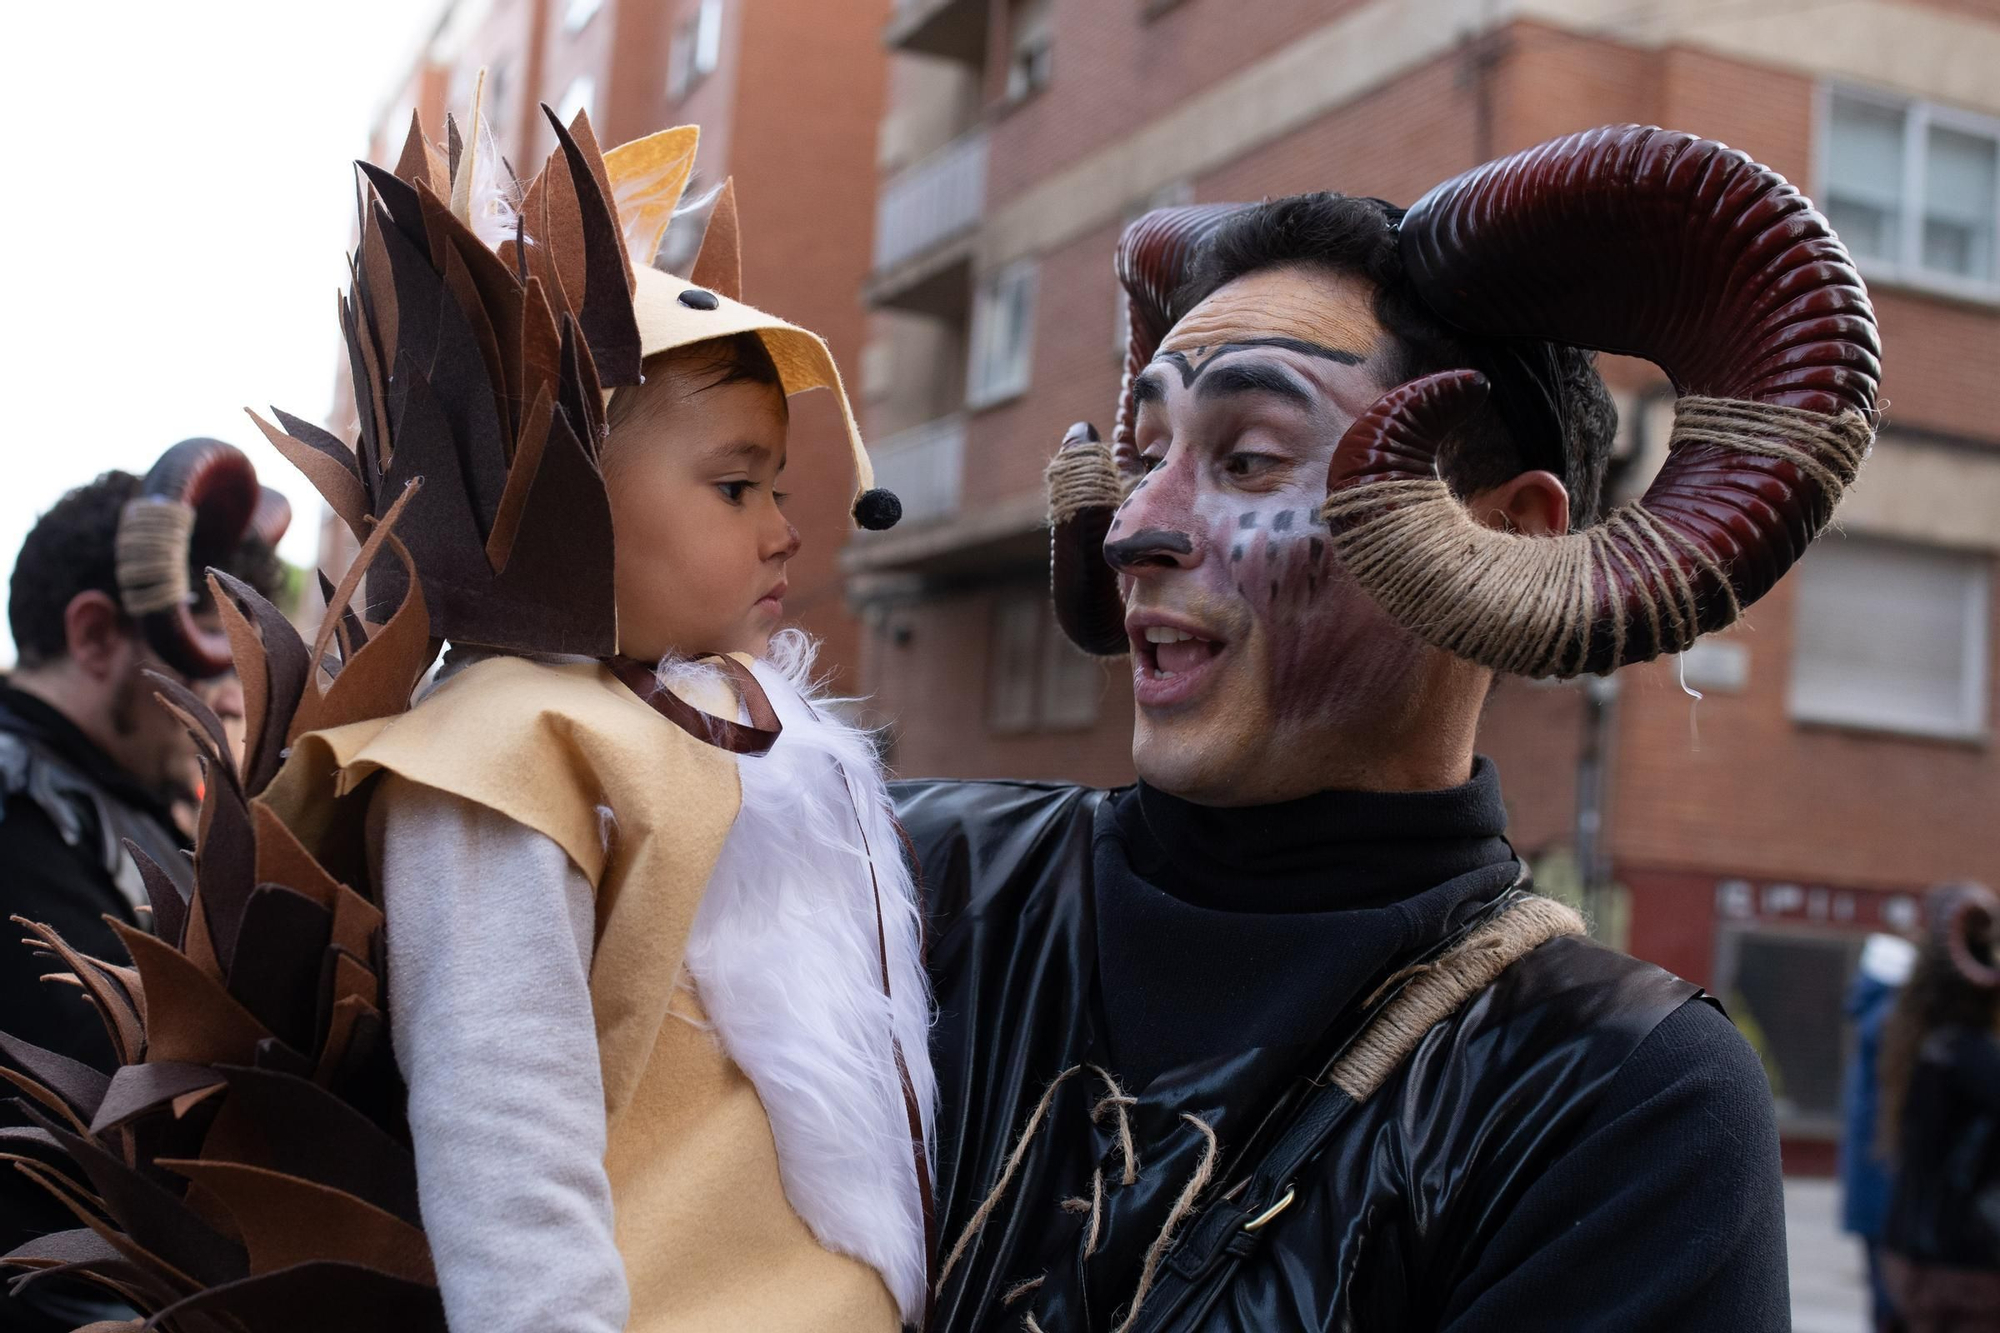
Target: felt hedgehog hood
x: 487, y: 322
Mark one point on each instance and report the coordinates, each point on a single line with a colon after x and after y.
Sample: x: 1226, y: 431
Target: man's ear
x: 1535, y: 503
x: 97, y: 635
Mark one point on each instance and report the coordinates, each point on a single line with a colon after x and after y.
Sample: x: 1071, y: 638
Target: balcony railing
x: 924, y: 466
x: 931, y: 201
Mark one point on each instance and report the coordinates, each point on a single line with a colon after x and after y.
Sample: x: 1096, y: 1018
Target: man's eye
x: 1147, y: 462
x: 1242, y: 464
x: 733, y: 491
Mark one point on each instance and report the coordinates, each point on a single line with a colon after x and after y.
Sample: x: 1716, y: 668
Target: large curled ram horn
x: 193, y: 507
x: 1656, y: 244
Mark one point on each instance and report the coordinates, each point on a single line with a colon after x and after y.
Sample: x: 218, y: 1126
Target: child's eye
x: 780, y: 497
x: 732, y: 491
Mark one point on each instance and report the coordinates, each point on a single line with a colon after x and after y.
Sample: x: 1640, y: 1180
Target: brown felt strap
x: 757, y: 738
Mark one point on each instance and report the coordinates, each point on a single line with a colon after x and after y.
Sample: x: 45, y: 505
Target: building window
x: 577, y: 14
x: 581, y: 95
x: 1914, y: 190
x: 1892, y: 637
x: 1003, y: 334
x: 697, y: 49
x: 1037, y: 680
x: 1783, y: 989
x: 1031, y: 50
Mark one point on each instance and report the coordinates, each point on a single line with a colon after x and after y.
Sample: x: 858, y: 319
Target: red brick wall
x: 810, y: 83
x: 931, y: 689
x: 1115, y: 70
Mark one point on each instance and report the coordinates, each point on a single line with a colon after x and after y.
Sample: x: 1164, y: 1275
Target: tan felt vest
x: 708, y: 1238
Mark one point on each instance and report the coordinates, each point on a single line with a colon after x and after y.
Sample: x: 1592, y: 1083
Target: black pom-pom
x: 878, y: 509
x: 698, y: 298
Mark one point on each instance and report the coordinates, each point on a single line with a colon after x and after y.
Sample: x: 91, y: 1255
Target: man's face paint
x: 1255, y: 658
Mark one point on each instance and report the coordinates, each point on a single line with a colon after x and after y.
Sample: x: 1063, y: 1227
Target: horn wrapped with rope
x: 194, y: 507
x: 1085, y: 487
x: 1656, y: 244
x: 1967, y: 923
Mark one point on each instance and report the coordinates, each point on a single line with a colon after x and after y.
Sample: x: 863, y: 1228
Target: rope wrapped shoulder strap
x: 1434, y: 991
x: 1406, y: 1007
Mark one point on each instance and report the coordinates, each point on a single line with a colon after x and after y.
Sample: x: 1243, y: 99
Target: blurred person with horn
x: 1281, y: 1037
x: 1940, y: 1122
x: 576, y: 987
x: 106, y: 588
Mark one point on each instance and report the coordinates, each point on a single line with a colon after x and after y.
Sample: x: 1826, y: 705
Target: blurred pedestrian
x: 1941, y: 1118
x: 105, y: 589
x: 1864, y: 1168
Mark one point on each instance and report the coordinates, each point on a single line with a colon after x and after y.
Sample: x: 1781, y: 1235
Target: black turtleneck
x: 1220, y: 929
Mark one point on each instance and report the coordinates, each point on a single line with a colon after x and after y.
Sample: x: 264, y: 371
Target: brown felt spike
x: 607, y: 317
x: 378, y: 288
x: 520, y: 480
x: 271, y: 653
x: 421, y: 160
x: 719, y: 266
x: 562, y: 232
x: 586, y: 142
x: 287, y: 1221
x: 138, y: 1090
x: 81, y: 1087
x: 336, y: 479
x: 121, y: 1019
x: 195, y: 1020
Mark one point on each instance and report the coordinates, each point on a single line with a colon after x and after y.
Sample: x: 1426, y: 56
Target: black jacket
x: 65, y: 809
x: 1946, y: 1206
x: 1585, y: 1145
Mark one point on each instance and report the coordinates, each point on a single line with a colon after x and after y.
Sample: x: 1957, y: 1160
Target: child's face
x: 700, y: 542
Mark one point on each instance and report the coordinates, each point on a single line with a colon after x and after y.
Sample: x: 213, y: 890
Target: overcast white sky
x: 176, y: 210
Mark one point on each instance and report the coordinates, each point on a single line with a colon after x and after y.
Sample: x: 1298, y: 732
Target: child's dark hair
x: 739, y: 358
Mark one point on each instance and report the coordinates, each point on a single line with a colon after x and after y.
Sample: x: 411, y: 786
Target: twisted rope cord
x: 1204, y: 1170
x: 1530, y: 606
x: 152, y: 553
x: 1080, y: 477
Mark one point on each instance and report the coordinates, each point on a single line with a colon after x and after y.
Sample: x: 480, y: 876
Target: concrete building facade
x: 1841, y: 755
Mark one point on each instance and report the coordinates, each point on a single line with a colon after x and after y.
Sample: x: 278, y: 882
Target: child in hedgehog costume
x: 583, y: 993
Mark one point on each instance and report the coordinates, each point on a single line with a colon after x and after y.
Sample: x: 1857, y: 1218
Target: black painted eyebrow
x: 1241, y: 377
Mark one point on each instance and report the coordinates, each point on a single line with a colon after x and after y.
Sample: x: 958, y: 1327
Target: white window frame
x: 697, y: 49
x: 1907, y: 269
x: 988, y: 380
x: 1973, y: 722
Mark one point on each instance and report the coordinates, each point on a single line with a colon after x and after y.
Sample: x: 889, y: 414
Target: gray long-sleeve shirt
x: 490, y: 931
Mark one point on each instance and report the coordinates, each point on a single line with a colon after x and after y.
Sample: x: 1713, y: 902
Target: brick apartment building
x: 1841, y: 757
x: 788, y: 94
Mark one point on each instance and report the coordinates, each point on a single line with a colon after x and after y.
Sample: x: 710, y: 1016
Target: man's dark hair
x: 71, y: 549
x: 1357, y: 235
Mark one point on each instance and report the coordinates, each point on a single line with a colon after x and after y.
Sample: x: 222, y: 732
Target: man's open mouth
x: 1170, y: 662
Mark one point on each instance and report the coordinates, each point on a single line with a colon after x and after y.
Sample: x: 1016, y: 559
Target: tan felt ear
x: 719, y: 266
x: 645, y: 180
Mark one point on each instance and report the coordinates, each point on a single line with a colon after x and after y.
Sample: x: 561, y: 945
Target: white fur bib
x: 785, y: 957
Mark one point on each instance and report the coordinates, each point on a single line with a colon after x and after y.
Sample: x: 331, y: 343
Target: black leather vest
x: 1409, y: 1184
